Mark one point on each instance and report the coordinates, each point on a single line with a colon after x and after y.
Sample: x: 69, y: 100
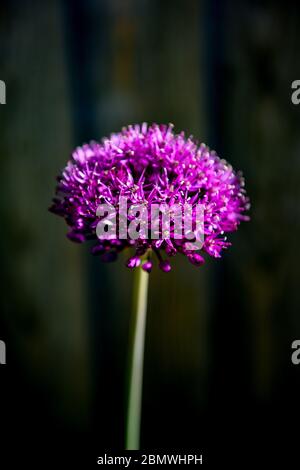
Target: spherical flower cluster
x: 150, y: 165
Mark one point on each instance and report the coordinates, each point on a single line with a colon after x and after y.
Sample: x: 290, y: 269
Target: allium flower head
x: 150, y: 165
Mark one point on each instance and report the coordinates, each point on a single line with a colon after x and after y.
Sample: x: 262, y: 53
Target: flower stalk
x: 139, y: 313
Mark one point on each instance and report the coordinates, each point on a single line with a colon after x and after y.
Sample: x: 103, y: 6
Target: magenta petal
x: 165, y: 266
x: 147, y: 266
x: 196, y: 259
x: 76, y: 237
x: 133, y: 262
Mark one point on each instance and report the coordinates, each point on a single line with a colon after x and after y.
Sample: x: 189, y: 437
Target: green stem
x: 136, y: 359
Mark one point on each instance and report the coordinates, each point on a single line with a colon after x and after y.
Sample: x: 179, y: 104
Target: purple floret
x: 150, y: 165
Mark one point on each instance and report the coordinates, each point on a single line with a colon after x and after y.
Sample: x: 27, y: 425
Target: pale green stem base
x: 136, y: 359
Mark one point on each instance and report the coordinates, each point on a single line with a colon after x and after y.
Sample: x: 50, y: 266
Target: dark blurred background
x: 218, y: 349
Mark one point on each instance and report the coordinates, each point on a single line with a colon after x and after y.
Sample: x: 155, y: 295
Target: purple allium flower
x: 150, y: 165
